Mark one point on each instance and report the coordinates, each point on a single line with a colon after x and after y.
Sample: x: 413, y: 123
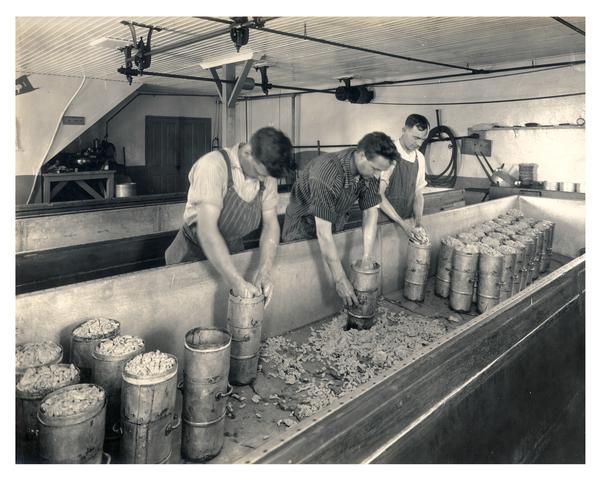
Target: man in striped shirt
x: 324, y: 192
x: 232, y: 191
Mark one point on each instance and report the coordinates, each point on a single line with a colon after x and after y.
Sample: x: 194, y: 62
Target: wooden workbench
x: 60, y: 180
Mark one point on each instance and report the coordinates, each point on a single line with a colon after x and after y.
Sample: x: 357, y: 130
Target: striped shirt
x: 208, y: 184
x: 318, y: 186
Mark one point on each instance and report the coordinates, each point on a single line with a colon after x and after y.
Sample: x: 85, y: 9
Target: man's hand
x: 407, y: 225
x: 263, y: 282
x: 243, y: 289
x: 346, y: 292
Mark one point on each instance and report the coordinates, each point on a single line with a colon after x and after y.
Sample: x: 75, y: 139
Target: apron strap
x: 227, y: 159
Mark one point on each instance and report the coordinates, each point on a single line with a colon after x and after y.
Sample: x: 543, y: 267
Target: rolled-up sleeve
x: 269, y: 200
x: 368, y: 196
x: 421, y: 181
x: 208, y: 181
x: 323, y: 200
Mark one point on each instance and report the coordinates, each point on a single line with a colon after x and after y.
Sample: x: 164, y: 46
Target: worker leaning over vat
x: 401, y: 186
x: 323, y: 194
x: 231, y: 192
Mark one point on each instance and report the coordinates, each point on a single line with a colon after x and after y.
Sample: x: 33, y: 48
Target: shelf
x: 551, y: 127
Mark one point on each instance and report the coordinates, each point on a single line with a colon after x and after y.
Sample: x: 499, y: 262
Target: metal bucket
x: 367, y: 304
x: 464, y: 261
x: 83, y: 347
x: 520, y: 261
x: 147, y: 407
x: 461, y: 291
x: 74, y: 438
x: 528, y: 264
x: 508, y: 268
x: 488, y: 292
x: 534, y: 262
x: 19, y: 371
x: 205, y: 386
x: 475, y: 283
x: 366, y: 286
x: 444, y: 269
x: 544, y: 259
x: 244, y: 320
x: 417, y: 271
x: 490, y: 264
x: 125, y: 190
x: 107, y: 372
x: 27, y: 431
x: 359, y: 323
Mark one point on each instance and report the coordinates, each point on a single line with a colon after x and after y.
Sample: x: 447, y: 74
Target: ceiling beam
x: 570, y: 25
x: 237, y: 88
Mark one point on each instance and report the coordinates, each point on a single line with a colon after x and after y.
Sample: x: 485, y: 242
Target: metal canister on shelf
x: 205, y: 388
x: 366, y: 285
x: 520, y: 261
x: 508, y: 267
x: 417, y: 270
x: 244, y: 320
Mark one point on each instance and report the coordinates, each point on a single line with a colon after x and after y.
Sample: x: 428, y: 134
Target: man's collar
x: 234, y: 156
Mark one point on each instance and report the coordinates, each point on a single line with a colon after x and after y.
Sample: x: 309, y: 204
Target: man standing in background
x: 401, y: 186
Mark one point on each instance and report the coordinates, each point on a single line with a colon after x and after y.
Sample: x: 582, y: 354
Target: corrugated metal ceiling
x: 61, y: 46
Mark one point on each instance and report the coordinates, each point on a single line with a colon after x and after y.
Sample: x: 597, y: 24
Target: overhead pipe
x: 135, y: 72
x: 343, y: 45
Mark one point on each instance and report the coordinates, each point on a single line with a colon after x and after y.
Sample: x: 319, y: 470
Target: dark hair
x: 414, y: 119
x: 273, y: 149
x: 378, y: 143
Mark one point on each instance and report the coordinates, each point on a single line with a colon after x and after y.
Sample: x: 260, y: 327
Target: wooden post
x: 227, y: 113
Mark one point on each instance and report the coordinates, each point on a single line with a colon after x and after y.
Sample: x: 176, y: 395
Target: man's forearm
x: 330, y: 255
x: 369, y: 231
x: 390, y: 211
x: 216, y: 251
x: 269, y: 241
x: 418, y: 207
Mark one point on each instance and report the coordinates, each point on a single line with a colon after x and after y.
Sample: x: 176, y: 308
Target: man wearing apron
x: 324, y: 192
x: 401, y: 186
x: 232, y: 191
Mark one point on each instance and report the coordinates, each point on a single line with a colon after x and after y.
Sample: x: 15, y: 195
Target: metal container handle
x: 107, y: 457
x: 118, y: 429
x: 180, y: 385
x: 170, y: 427
x: 229, y: 391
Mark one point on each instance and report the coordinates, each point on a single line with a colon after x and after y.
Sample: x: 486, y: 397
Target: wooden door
x: 173, y: 144
x: 195, y: 138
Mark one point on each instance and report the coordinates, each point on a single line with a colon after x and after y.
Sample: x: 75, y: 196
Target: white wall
x: 559, y: 153
x: 39, y: 111
x: 128, y: 127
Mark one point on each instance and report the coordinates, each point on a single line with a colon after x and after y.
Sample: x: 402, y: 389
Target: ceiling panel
x: 61, y: 46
